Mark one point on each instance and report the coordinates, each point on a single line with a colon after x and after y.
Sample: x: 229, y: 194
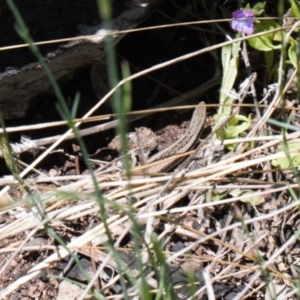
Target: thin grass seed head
x: 243, y: 21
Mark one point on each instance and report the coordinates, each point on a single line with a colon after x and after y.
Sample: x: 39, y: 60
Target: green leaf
x: 284, y: 162
x: 236, y: 47
x: 236, y: 127
x: 229, y: 77
x: 219, y: 195
x: 279, y: 36
x: 259, y: 8
x: 295, y: 5
x: 225, y: 56
x: 251, y: 197
x: 293, y: 55
x: 264, y: 43
x: 237, y: 124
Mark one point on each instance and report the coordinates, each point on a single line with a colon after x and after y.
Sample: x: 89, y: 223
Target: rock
x: 22, y: 77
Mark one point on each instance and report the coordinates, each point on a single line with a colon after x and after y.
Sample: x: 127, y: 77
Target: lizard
x: 162, y: 160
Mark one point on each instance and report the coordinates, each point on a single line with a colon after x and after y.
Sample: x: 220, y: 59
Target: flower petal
x: 246, y: 24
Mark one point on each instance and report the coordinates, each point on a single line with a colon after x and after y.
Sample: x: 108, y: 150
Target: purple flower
x: 244, y: 25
